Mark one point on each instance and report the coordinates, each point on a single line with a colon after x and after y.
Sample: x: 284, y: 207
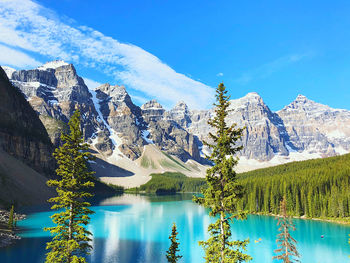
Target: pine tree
x: 10, y: 222
x: 287, y: 244
x: 70, y: 241
x: 223, y: 193
x: 172, y: 256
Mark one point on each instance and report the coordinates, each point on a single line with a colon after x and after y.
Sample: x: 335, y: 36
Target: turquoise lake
x: 135, y: 228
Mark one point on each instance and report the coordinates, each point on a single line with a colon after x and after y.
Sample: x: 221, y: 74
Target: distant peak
x: 181, y: 104
x: 152, y: 104
x: 253, y: 95
x: 53, y: 64
x: 301, y: 97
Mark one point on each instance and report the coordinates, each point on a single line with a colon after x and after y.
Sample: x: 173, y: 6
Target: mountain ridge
x: 114, y: 125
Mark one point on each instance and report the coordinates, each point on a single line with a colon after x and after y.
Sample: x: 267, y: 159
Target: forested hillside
x: 315, y: 188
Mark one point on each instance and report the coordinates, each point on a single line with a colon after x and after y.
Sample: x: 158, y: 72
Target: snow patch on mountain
x: 116, y: 140
x: 53, y: 64
x: 8, y: 71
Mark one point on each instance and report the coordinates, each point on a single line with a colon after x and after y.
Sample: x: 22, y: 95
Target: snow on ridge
x: 8, y: 70
x: 53, y: 64
x: 116, y: 140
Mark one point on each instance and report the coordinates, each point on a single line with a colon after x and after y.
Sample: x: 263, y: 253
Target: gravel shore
x: 8, y: 237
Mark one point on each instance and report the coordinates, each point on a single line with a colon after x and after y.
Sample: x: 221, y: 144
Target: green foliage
x: 314, y: 188
x: 10, y: 222
x: 70, y: 241
x: 287, y: 250
x: 117, y: 188
x: 171, y: 182
x: 172, y: 254
x: 223, y: 192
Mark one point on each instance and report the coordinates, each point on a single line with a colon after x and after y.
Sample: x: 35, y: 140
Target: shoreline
x: 8, y: 237
x: 340, y: 221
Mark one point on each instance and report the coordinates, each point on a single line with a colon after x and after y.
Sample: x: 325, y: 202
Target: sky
x: 181, y: 50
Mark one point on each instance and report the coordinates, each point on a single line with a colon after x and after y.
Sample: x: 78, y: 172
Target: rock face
x: 316, y: 128
x: 115, y: 126
x: 22, y: 134
x: 166, y: 132
x: 111, y: 122
x: 55, y: 90
x: 264, y: 134
x: 123, y: 117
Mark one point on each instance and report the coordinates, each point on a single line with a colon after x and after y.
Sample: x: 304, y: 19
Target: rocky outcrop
x: 55, y: 90
x: 167, y: 133
x: 263, y: 135
x: 123, y: 117
x: 115, y: 126
x: 152, y: 111
x: 22, y: 134
x: 316, y: 128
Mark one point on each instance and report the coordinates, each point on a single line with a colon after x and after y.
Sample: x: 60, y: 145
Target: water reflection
x: 139, y: 233
x: 135, y: 228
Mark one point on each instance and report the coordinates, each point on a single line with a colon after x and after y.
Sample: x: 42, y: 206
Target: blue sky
x: 173, y: 50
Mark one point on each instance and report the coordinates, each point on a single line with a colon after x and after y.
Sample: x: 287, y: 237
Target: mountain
x: 25, y: 150
x: 316, y: 128
x: 120, y: 132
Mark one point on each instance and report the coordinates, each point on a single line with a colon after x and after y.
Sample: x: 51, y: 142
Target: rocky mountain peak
x: 152, y: 111
x: 53, y: 65
x: 251, y: 99
x: 116, y: 93
x: 8, y: 71
x: 303, y: 104
x: 181, y: 105
x: 152, y: 104
x: 180, y: 113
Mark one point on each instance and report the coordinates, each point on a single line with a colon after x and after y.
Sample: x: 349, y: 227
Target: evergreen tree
x: 10, y: 222
x: 287, y: 244
x: 70, y: 241
x: 223, y: 193
x: 171, y: 255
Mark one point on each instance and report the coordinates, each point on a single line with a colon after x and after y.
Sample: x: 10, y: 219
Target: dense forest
x: 170, y: 182
x: 314, y: 188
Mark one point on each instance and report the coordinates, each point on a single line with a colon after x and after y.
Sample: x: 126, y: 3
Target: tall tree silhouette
x: 223, y: 192
x: 287, y: 250
x: 70, y: 241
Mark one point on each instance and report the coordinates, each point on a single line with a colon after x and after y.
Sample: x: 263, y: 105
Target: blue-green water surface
x: 135, y: 228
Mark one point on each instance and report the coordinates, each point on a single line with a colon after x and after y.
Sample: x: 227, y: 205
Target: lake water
x: 135, y: 228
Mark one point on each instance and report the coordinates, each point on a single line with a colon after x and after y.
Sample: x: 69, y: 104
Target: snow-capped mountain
x: 116, y: 127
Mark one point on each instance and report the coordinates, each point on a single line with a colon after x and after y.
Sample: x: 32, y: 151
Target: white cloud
x: 140, y: 100
x: 220, y: 74
x: 91, y: 84
x: 15, y: 58
x: 269, y: 68
x: 28, y: 25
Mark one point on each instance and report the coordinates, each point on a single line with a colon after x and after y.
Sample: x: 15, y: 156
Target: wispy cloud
x: 27, y: 25
x: 220, y: 74
x: 15, y: 58
x: 268, y: 69
x: 139, y: 99
x: 91, y: 84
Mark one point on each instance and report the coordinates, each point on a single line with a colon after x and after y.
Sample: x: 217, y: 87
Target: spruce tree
x: 287, y: 244
x: 10, y: 222
x: 223, y: 193
x: 70, y: 241
x: 172, y: 255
